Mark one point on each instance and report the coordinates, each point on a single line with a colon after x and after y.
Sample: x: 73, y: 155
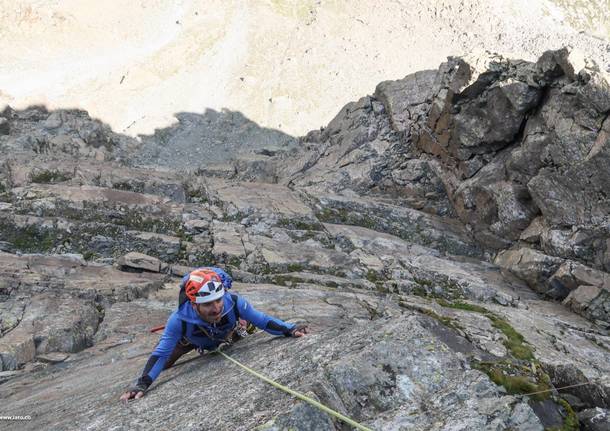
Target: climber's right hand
x: 131, y: 394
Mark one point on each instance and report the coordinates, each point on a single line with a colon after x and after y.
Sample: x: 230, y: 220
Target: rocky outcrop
x: 523, y: 149
x: 536, y: 269
x: 384, y: 364
x: 69, y: 132
x: 517, y: 151
x: 420, y: 234
x: 56, y: 303
x: 518, y: 139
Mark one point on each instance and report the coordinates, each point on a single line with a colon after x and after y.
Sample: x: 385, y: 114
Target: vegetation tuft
x: 49, y: 177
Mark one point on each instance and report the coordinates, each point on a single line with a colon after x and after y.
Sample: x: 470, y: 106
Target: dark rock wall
x: 518, y: 151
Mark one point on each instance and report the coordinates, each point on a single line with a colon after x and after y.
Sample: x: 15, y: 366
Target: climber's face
x: 211, y: 311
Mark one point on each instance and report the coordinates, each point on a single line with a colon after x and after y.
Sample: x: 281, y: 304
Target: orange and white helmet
x: 203, y: 285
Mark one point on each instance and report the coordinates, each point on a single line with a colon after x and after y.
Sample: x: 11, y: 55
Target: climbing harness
x: 297, y: 394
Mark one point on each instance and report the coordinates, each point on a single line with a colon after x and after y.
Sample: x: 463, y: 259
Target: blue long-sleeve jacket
x: 186, y: 323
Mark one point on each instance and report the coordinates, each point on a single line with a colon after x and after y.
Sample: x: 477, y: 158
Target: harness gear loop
x: 298, y: 395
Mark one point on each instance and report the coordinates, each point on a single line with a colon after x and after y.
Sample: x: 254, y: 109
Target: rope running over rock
x: 298, y: 395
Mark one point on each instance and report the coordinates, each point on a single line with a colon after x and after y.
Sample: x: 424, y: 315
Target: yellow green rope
x: 298, y: 395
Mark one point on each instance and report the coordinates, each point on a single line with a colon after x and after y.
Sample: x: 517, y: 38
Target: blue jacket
x: 185, y: 323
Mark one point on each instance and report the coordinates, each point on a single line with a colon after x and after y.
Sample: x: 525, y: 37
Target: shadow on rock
x: 211, y: 137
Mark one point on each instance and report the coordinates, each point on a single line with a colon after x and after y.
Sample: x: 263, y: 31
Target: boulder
x: 532, y: 233
x: 478, y: 108
x: 140, y: 261
x: 50, y: 323
x: 573, y: 274
x: 530, y: 265
x: 587, y: 244
x: 571, y: 61
x: 591, y: 393
x: 16, y: 349
x: 592, y: 302
x: 71, y: 329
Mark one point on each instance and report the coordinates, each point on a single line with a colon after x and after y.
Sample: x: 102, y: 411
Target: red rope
x: 157, y: 328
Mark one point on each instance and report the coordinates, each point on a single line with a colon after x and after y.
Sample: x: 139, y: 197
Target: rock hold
x: 140, y: 261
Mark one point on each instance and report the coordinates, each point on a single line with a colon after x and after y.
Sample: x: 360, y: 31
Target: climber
x: 209, y: 317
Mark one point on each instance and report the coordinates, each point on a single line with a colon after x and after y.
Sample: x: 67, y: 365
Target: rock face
x: 445, y: 238
x: 517, y: 151
x: 55, y: 303
x: 526, y: 145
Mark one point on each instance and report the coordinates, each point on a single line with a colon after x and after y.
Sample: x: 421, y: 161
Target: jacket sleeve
x: 259, y: 319
x: 170, y: 338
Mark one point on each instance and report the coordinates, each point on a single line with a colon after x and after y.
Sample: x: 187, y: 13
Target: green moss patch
x: 516, y: 378
x: 514, y: 341
x: 295, y: 267
x: 29, y: 239
x: 48, y: 177
x: 347, y: 217
x: 285, y: 280
x: 130, y: 218
x: 5, y: 195
x: 447, y: 321
x: 90, y: 255
x: 233, y: 261
x: 570, y: 422
x: 331, y: 215
x: 458, y: 305
x: 195, y: 194
x: 372, y: 276
x: 423, y: 282
x: 127, y: 186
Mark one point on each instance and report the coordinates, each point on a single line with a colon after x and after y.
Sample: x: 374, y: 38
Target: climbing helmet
x: 203, y: 285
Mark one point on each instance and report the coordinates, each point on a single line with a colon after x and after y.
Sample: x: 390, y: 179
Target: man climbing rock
x: 207, y: 317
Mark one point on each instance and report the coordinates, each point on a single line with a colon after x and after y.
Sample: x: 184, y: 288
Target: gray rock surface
x: 516, y: 150
x: 446, y: 239
x: 396, y: 375
x: 595, y: 419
